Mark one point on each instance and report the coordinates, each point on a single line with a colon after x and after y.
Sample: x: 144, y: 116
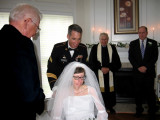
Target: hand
x: 105, y: 70
x: 142, y: 69
x: 79, y: 58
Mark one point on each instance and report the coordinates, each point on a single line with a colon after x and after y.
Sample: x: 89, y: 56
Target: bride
x: 76, y: 96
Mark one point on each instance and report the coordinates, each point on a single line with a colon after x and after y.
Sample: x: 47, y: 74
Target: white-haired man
x: 22, y: 97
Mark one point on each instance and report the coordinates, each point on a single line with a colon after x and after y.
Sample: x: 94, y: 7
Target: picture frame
x: 126, y: 16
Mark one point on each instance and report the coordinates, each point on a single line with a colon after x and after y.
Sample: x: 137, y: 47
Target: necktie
x: 142, y: 49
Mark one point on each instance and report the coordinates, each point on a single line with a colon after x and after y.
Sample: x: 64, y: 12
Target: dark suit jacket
x: 60, y: 57
x: 150, y: 57
x: 22, y: 93
x: 95, y: 65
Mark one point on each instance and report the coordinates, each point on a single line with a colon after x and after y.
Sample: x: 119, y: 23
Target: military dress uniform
x: 60, y: 57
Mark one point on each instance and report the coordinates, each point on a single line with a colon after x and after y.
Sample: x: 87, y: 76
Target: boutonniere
x: 150, y: 43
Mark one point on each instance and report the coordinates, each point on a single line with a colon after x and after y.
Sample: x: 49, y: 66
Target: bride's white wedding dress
x: 80, y: 108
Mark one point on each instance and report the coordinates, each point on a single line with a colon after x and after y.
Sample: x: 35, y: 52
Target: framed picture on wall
x: 126, y: 16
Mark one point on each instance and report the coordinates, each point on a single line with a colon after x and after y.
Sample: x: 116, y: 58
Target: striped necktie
x: 142, y: 49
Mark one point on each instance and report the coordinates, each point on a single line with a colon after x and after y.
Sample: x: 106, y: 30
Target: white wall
x: 102, y: 19
x: 97, y: 14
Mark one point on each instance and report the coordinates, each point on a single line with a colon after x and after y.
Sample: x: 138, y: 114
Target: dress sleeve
x: 54, y: 109
x: 102, y: 114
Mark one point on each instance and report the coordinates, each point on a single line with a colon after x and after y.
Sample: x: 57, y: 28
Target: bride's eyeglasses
x: 78, y: 78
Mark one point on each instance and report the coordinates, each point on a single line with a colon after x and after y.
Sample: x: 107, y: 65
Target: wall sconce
x: 153, y: 32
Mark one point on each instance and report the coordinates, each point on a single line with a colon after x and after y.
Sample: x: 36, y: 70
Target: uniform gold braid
x: 52, y: 75
x: 50, y: 59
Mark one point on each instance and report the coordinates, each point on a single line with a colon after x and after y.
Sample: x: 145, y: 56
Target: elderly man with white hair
x: 22, y: 97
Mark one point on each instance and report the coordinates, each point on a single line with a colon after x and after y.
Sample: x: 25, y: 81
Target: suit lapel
x: 146, y: 49
x: 75, y: 53
x: 67, y: 53
x: 139, y: 55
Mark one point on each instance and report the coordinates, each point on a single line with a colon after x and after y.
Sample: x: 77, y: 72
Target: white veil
x: 63, y: 88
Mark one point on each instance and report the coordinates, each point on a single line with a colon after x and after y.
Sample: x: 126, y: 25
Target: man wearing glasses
x: 22, y: 96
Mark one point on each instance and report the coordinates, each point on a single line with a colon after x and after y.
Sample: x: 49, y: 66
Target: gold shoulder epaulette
x: 82, y: 45
x: 61, y: 44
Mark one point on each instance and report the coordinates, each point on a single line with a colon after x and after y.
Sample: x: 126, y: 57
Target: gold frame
x: 126, y: 16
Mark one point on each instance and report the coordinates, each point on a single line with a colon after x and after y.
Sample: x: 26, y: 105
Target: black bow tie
x: 70, y: 49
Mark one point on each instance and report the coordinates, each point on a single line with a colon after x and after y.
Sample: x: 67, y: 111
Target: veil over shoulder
x: 63, y: 89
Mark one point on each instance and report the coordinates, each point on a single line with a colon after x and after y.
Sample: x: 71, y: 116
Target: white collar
x: 69, y: 46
